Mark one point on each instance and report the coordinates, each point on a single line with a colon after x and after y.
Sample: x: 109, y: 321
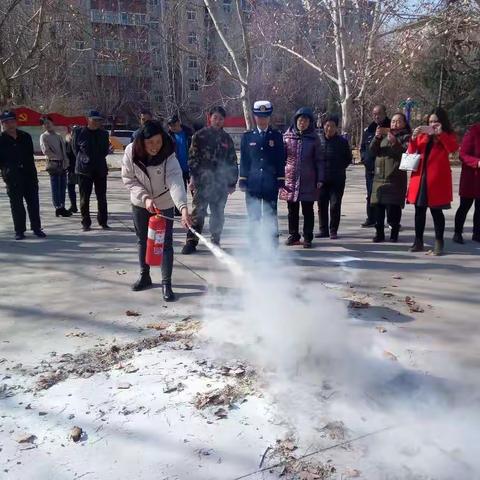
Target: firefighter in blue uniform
x: 262, y: 170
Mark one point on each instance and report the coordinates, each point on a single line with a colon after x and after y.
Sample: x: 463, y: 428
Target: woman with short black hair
x: 153, y: 175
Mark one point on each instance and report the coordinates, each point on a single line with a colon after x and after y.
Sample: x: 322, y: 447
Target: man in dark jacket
x: 214, y: 175
x: 17, y: 165
x: 262, y: 169
x: 379, y: 119
x: 337, y: 158
x: 90, y: 145
x: 145, y: 116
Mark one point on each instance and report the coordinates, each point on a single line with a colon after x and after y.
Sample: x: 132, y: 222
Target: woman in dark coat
x: 304, y: 173
x: 469, y: 184
x: 431, y: 185
x: 390, y: 183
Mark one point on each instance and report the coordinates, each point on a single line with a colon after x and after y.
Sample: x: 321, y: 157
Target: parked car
x: 121, y: 138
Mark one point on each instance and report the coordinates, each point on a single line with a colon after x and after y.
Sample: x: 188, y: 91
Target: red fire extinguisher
x: 157, y: 226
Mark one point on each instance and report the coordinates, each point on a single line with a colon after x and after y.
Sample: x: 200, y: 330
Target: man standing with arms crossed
x: 17, y: 165
x: 90, y: 145
x: 213, y: 176
x: 380, y: 119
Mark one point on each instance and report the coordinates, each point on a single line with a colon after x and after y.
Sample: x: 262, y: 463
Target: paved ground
x: 70, y: 292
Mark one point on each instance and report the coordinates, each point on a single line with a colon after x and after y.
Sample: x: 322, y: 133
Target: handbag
x: 54, y: 167
x: 410, y: 162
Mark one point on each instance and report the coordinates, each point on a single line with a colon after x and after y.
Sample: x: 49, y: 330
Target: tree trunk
x: 247, y: 107
x: 347, y: 114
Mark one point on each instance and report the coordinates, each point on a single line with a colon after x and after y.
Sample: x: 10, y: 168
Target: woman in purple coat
x: 304, y: 174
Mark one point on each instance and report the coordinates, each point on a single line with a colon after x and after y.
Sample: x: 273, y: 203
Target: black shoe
x: 86, y: 228
x: 215, y: 241
x: 168, y: 294
x: 73, y: 209
x: 189, y: 248
x: 39, y: 233
x: 307, y: 244
x: 322, y: 234
x: 438, y: 248
x: 458, y: 238
x: 368, y: 223
x: 476, y: 237
x: 293, y: 240
x: 378, y: 238
x: 394, y: 234
x: 62, y: 212
x: 19, y: 236
x: 106, y: 227
x: 417, y: 246
x: 143, y: 282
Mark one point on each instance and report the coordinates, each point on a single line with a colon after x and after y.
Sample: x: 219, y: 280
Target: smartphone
x: 428, y: 129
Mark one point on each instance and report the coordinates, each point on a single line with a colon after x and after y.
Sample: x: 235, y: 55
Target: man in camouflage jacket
x: 214, y: 174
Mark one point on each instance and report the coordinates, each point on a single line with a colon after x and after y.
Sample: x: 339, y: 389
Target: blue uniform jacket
x: 262, y: 162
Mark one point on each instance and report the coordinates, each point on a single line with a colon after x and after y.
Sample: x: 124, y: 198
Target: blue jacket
x: 262, y: 162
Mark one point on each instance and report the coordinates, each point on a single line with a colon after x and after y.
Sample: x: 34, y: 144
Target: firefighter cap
x: 262, y: 108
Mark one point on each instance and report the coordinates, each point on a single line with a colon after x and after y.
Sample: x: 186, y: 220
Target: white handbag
x: 410, y: 162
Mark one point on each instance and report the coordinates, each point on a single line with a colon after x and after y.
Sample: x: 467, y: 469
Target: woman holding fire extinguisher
x: 153, y: 175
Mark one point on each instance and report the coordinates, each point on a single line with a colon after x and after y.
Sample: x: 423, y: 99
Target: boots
x: 417, y: 245
x: 394, y: 233
x: 143, y: 282
x: 458, y: 238
x: 438, y: 248
x: 62, y: 212
x: 167, y: 291
x: 380, y: 235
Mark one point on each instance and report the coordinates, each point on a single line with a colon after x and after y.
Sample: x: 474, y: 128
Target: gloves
x: 242, y: 184
x: 280, y: 183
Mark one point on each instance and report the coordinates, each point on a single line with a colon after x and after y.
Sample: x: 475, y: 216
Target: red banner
x: 30, y: 118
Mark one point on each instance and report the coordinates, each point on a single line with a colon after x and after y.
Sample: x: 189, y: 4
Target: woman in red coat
x: 431, y: 185
x: 469, y: 184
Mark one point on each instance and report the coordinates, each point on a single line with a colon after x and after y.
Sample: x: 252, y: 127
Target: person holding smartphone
x: 431, y: 185
x: 154, y: 177
x: 389, y: 183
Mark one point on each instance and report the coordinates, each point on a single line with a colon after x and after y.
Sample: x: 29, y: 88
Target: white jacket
x: 162, y: 183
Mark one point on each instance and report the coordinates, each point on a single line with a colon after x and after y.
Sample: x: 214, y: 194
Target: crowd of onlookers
x: 304, y: 165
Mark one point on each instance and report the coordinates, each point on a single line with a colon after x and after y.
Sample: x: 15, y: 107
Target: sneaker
x: 143, y: 282
x: 368, y: 223
x: 333, y: 236
x: 307, y: 244
x: 62, y: 212
x: 19, y: 236
x: 322, y: 234
x: 189, y: 248
x: 40, y: 233
x: 458, y: 238
x: 73, y: 209
x: 293, y: 240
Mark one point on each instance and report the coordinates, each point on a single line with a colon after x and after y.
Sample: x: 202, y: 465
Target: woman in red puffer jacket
x: 431, y: 185
x: 469, y: 184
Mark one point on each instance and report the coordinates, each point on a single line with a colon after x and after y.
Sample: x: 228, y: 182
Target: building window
x: 191, y: 13
x: 192, y: 62
x: 154, y: 25
x: 194, y: 84
x: 97, y: 43
x: 79, y: 44
x: 124, y: 18
x: 227, y: 6
x: 157, y: 72
x: 192, y: 38
x: 157, y: 97
x: 154, y: 3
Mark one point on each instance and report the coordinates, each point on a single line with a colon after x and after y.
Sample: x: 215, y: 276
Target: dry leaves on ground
x: 413, y: 306
x: 132, y: 313
x: 358, y: 304
x: 220, y: 396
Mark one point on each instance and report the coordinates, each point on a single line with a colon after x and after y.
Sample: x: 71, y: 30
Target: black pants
x: 462, y: 212
x: 141, y: 216
x: 294, y: 219
x: 331, y: 195
x: 28, y: 191
x: 369, y: 176
x: 200, y: 203
x: 72, y: 194
x: 421, y: 218
x: 85, y: 186
x: 394, y: 216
